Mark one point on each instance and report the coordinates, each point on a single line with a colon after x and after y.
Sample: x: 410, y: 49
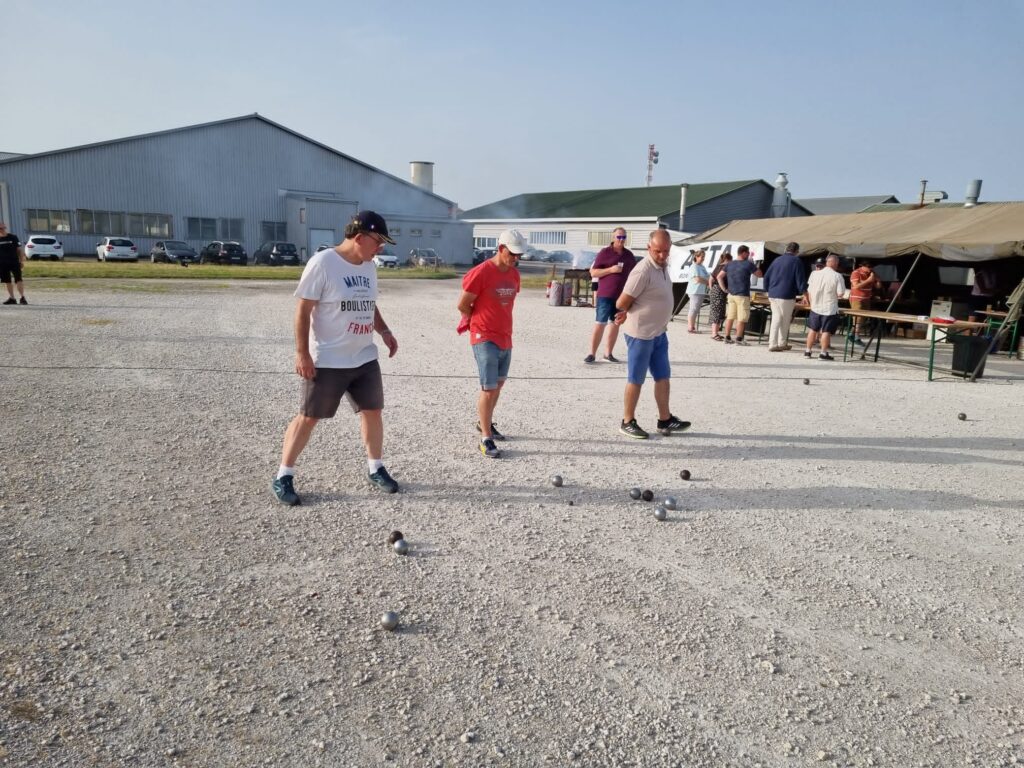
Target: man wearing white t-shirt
x: 825, y: 287
x: 335, y: 353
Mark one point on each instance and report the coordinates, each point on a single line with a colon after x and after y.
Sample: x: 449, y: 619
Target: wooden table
x: 957, y: 328
x: 994, y: 323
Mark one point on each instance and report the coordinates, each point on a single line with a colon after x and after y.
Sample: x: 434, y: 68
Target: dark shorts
x: 605, y: 309
x: 363, y: 385
x: 822, y: 323
x: 7, y: 271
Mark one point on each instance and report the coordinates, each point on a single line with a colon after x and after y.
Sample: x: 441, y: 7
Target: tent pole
x: 903, y: 283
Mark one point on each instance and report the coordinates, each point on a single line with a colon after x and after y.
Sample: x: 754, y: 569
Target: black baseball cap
x: 371, y: 221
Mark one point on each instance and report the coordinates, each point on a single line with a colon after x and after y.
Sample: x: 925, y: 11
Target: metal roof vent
x: 973, y: 193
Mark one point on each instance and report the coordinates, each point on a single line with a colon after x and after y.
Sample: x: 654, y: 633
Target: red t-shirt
x: 859, y: 274
x: 495, y: 293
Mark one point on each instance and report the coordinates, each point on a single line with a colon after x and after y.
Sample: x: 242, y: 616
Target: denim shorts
x: 605, y: 309
x: 492, y: 362
x: 644, y: 355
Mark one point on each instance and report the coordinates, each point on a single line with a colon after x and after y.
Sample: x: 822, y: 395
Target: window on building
x: 547, y: 238
x: 415, y: 233
x: 201, y: 229
x: 46, y: 220
x: 149, y: 225
x: 273, y: 230
x: 231, y: 229
x: 485, y: 242
x: 395, y: 232
x: 103, y: 223
x: 435, y: 233
x: 600, y: 238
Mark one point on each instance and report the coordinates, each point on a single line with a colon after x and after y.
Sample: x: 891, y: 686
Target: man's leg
x: 296, y: 437
x: 826, y: 342
x: 21, y: 289
x: 371, y: 426
x: 740, y: 328
x: 775, y: 334
x: 485, y: 406
x: 630, y: 399
x: 595, y: 338
x: 612, y: 337
x: 784, y: 322
x: 661, y: 393
x: 812, y: 336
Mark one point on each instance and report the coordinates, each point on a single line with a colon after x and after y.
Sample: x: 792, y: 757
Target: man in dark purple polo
x: 611, y: 268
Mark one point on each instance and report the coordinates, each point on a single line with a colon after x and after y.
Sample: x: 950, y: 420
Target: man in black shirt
x: 12, y: 257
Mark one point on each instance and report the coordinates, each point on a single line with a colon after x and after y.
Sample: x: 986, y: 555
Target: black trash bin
x: 758, y: 322
x: 968, y: 351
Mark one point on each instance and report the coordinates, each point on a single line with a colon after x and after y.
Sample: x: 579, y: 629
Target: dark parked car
x: 481, y: 255
x: 560, y: 257
x: 275, y: 254
x: 172, y: 251
x: 223, y: 252
x: 424, y: 257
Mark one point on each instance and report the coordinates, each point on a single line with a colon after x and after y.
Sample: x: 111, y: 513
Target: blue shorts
x: 492, y: 362
x: 822, y: 323
x: 605, y: 309
x: 647, y: 354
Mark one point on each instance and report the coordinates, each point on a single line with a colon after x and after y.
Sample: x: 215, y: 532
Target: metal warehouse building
x: 247, y: 179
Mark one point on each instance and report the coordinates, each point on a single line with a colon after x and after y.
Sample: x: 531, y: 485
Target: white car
x: 44, y: 247
x: 386, y: 258
x: 116, y: 249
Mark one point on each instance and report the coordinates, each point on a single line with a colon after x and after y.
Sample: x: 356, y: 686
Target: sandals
x: 690, y: 330
x: 717, y: 337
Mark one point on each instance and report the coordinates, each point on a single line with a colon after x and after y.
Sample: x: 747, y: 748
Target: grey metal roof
x: 9, y: 155
x: 253, y: 116
x: 827, y: 206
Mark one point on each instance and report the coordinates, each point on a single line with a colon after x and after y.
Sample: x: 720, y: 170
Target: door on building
x: 318, y: 237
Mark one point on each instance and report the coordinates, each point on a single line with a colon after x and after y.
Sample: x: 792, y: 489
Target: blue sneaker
x: 383, y: 480
x: 285, y: 491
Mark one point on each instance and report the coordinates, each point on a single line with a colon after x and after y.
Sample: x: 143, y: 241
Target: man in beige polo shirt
x: 645, y: 308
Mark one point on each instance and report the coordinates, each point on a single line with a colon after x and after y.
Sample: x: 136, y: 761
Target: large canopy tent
x: 984, y: 232
x: 902, y: 235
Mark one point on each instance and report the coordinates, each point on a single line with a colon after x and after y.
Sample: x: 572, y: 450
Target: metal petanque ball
x: 401, y: 547
x: 660, y: 513
x: 395, y: 536
x: 669, y: 502
x: 807, y: 381
x: 647, y: 495
x: 685, y: 474
x: 634, y: 493
x: 389, y: 621
x: 556, y: 480
x: 962, y: 416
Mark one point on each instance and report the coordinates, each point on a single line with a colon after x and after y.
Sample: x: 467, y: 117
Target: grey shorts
x: 363, y: 385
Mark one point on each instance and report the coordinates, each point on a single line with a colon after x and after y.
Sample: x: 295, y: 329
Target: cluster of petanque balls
x: 389, y: 620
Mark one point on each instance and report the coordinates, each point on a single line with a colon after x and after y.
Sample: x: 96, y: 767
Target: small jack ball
x: 807, y: 381
x: 962, y: 416
x: 660, y: 513
x: 570, y: 502
x: 556, y: 480
x: 389, y: 621
x: 395, y: 536
x: 685, y: 474
x: 401, y: 547
x: 634, y: 493
x: 647, y: 495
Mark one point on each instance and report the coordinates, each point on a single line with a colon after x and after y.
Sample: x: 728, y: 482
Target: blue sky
x: 847, y: 98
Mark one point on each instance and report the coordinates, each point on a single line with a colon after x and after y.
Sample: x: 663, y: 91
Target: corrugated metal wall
x: 234, y: 170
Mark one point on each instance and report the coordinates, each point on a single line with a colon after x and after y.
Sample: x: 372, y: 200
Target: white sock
x: 374, y: 465
x: 283, y: 470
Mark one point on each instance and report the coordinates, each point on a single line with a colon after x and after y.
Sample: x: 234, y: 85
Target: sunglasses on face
x: 620, y: 237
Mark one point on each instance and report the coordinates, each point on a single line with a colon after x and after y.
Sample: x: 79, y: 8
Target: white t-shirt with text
x: 341, y: 325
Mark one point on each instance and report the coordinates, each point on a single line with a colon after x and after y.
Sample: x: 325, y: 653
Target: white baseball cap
x: 513, y: 240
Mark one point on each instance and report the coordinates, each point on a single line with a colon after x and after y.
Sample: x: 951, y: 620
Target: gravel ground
x: 840, y: 586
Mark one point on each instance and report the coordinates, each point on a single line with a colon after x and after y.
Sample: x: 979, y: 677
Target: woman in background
x: 696, y: 288
x: 717, y: 294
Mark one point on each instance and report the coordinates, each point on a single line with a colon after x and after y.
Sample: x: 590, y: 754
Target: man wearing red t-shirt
x: 863, y: 282
x: 488, y: 295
